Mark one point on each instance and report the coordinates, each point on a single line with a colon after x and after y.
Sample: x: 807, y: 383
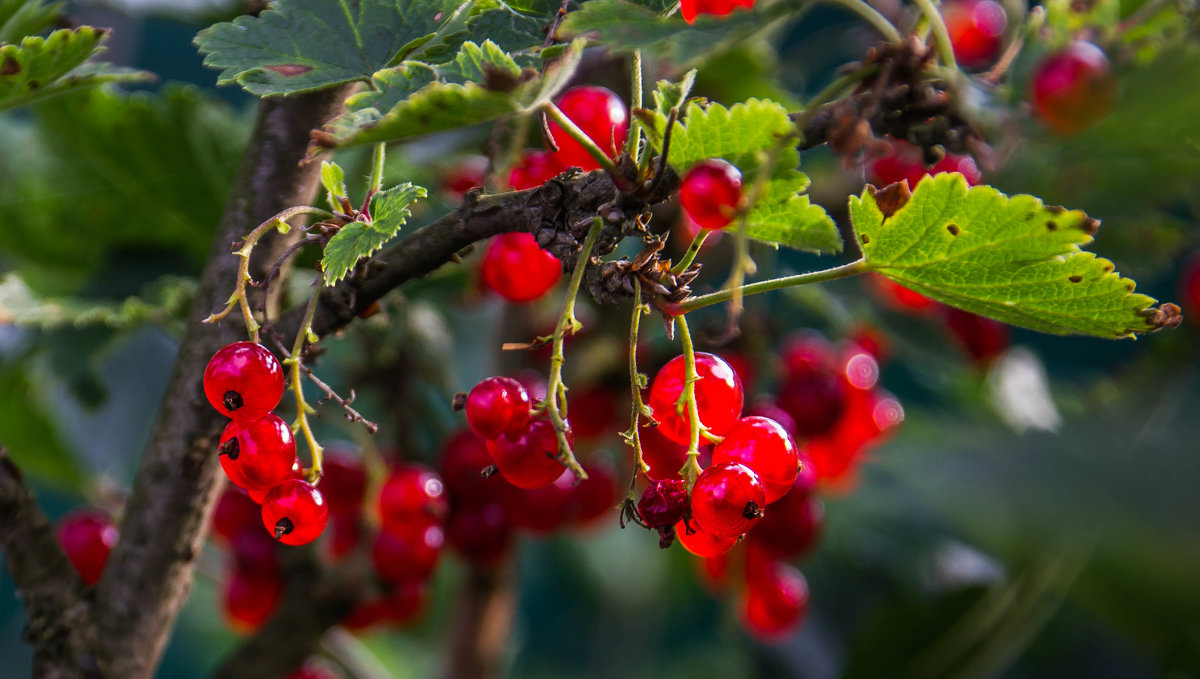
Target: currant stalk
x: 637, y: 382
x: 693, y: 250
x: 691, y: 469
x: 941, y: 34
x: 633, y: 141
x: 293, y: 363
x: 854, y: 268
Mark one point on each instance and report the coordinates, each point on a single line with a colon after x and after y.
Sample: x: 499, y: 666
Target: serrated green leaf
x: 783, y: 216
x: 667, y: 95
x: 19, y: 18
x: 389, y: 212
x: 513, y: 26
x: 303, y: 45
x: 474, y: 63
x: 1012, y: 259
x: 40, y: 68
x: 333, y: 178
x: 741, y: 134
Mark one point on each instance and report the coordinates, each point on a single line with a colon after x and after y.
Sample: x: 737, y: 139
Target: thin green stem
x: 633, y: 143
x: 940, y: 33
x: 692, y: 251
x: 556, y: 389
x: 377, y: 158
x: 637, y: 382
x: 580, y: 136
x: 691, y: 468
x: 293, y: 363
x: 871, y: 16
x: 844, y: 271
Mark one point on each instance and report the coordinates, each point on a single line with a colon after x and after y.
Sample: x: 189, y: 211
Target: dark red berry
x: 976, y: 30
x: 718, y: 397
x: 700, y: 542
x: 792, y: 528
x: 774, y: 602
x: 255, y: 552
x: 257, y: 455
x: 907, y: 163
x: 596, y: 496
x: 982, y: 338
x: 727, y: 499
x: 1073, y: 87
x: 467, y: 173
x: 897, y: 297
x: 345, y: 532
x: 517, y: 269
x: 87, y: 536
x: 243, y: 381
x: 295, y: 512
x: 690, y: 9
x: 766, y: 448
x: 545, y: 509
x: 602, y: 116
x: 464, y: 458
x: 528, y: 459
x: 412, y: 496
x: 663, y: 503
x: 1189, y: 290
x: 815, y: 398
x: 766, y: 406
x: 409, y: 555
x: 497, y: 405
x: 710, y: 193
x: 260, y: 494
x: 249, y: 599
x: 344, y: 483
x: 482, y: 534
x: 403, y: 602
x: 663, y: 456
x: 594, y: 412
x: 536, y: 168
x: 235, y: 512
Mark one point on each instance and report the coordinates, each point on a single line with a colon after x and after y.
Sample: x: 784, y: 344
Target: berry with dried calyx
x: 257, y: 455
x: 295, y: 512
x: 728, y: 499
x: 244, y: 381
x: 497, y: 405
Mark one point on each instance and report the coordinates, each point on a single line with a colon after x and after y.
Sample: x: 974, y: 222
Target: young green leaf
x: 40, y: 68
x: 667, y: 95
x: 389, y: 212
x: 19, y: 18
x: 333, y: 178
x: 741, y: 134
x: 1012, y: 259
x: 782, y: 215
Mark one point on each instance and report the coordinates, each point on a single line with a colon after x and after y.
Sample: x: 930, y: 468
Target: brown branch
x: 482, y: 623
x: 150, y: 570
x: 55, y: 599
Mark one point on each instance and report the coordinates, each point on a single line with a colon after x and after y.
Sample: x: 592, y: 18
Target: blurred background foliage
x: 976, y: 543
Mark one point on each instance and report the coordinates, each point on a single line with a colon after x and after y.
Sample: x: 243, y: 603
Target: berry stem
x: 377, y: 158
x: 637, y: 382
x: 303, y: 409
x: 556, y: 390
x: 858, y: 266
x: 633, y: 142
x: 691, y: 468
x: 692, y: 251
x: 585, y: 141
x: 872, y: 16
x: 941, y: 34
x: 238, y: 298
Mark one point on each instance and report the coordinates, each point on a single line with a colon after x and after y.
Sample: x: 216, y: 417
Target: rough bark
x: 482, y: 624
x: 149, y: 572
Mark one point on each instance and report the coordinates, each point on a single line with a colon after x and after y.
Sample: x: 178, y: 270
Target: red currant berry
x: 259, y: 495
x: 792, y: 528
x: 254, y: 552
x: 663, y: 456
x: 235, y: 513
x: 690, y: 9
x: 497, y: 405
x: 517, y: 269
x: 815, y: 398
x: 766, y: 448
x: 897, y: 297
x: 663, y: 504
x: 482, y: 534
x: 243, y: 381
x: 710, y: 193
x: 412, y: 496
x: 907, y: 163
x: 976, y: 29
x: 87, y: 536
x: 345, y: 532
x: 536, y: 168
x: 344, y: 483
x: 1073, y: 87
x: 718, y: 397
x: 714, y: 572
x: 1189, y: 289
x: 982, y: 338
x: 700, y: 542
x: 249, y: 599
x: 404, y: 602
x: 545, y: 509
x: 593, y: 412
x: 258, y: 455
x: 595, y: 496
x: 727, y: 499
x: 295, y: 512
x: 464, y: 458
x: 468, y: 173
x: 602, y: 116
x: 528, y: 459
x: 409, y: 555
x: 766, y: 406
x: 774, y: 602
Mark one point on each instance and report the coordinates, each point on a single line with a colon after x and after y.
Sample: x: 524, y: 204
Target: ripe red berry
x: 766, y: 406
x: 766, y: 448
x: 774, y: 602
x: 727, y: 499
x: 545, y: 509
x: 907, y: 163
x: 792, y: 528
x: 345, y: 532
x: 982, y: 338
x: 690, y: 9
x: 528, y: 459
x: 663, y: 456
x: 87, y: 536
x: 700, y: 542
x: 815, y: 398
x: 517, y: 269
x: 467, y: 173
x: 497, y: 405
x: 710, y: 193
x: 243, y: 381
x: 464, y: 457
x: 976, y: 29
x: 596, y: 496
x: 409, y: 555
x: 295, y: 512
x: 260, y: 494
x: 412, y: 496
x: 482, y: 534
x: 602, y: 116
x: 1189, y: 290
x: 718, y: 397
x: 344, y: 483
x: 536, y: 168
x: 1073, y: 87
x: 255, y: 552
x: 663, y: 503
x: 897, y: 297
x: 235, y: 512
x: 258, y: 455
x: 249, y: 599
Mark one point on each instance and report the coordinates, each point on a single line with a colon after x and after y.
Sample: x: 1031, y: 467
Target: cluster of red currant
x: 244, y: 381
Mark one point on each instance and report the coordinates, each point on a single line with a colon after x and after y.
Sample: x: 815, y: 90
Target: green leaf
x: 783, y: 216
x: 19, y: 18
x: 389, y: 210
x: 29, y: 434
x: 40, y: 68
x: 741, y: 134
x: 478, y: 62
x: 333, y: 178
x: 303, y: 45
x: 1012, y: 259
x: 667, y: 95
x: 513, y: 26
